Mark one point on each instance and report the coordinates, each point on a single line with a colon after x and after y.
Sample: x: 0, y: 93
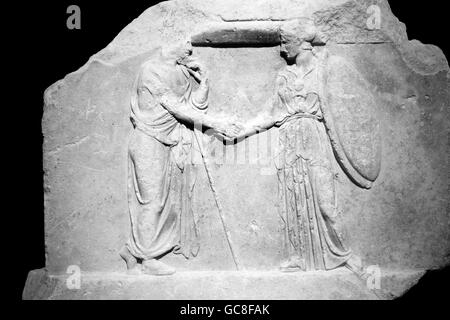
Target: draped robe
x: 161, y: 173
x: 306, y: 180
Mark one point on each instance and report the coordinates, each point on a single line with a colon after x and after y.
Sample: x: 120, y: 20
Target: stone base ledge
x: 219, y: 285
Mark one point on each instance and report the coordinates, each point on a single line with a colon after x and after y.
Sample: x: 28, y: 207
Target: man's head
x: 178, y: 53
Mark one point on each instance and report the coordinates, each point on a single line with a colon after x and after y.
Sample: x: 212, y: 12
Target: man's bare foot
x: 132, y: 266
x: 293, y: 264
x: 157, y: 268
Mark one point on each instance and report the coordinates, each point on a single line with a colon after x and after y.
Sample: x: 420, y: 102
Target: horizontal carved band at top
x: 238, y: 34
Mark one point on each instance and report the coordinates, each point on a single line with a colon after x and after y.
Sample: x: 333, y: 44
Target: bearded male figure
x: 170, y: 96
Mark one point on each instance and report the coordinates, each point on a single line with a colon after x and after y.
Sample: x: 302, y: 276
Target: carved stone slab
x: 389, y: 106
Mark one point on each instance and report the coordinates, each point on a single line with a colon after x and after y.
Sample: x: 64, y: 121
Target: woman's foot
x: 157, y: 268
x: 132, y: 265
x: 355, y: 265
x: 293, y: 264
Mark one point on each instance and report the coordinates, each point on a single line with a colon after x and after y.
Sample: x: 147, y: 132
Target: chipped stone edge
x: 401, y: 46
x: 42, y: 286
x: 95, y: 59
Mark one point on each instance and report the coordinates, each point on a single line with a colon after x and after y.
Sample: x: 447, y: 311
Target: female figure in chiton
x: 306, y: 179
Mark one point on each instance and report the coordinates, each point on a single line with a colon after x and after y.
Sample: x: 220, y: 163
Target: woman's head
x: 297, y: 40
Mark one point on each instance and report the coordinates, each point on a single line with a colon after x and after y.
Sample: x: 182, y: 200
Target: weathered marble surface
x: 212, y: 285
x: 402, y: 223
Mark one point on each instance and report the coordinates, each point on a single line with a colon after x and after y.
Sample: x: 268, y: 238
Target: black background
x: 43, y: 51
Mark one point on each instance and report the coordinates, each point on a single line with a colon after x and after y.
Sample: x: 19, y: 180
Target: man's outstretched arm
x: 186, y: 113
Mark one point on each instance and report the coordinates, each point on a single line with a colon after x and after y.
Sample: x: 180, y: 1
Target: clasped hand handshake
x: 228, y: 129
